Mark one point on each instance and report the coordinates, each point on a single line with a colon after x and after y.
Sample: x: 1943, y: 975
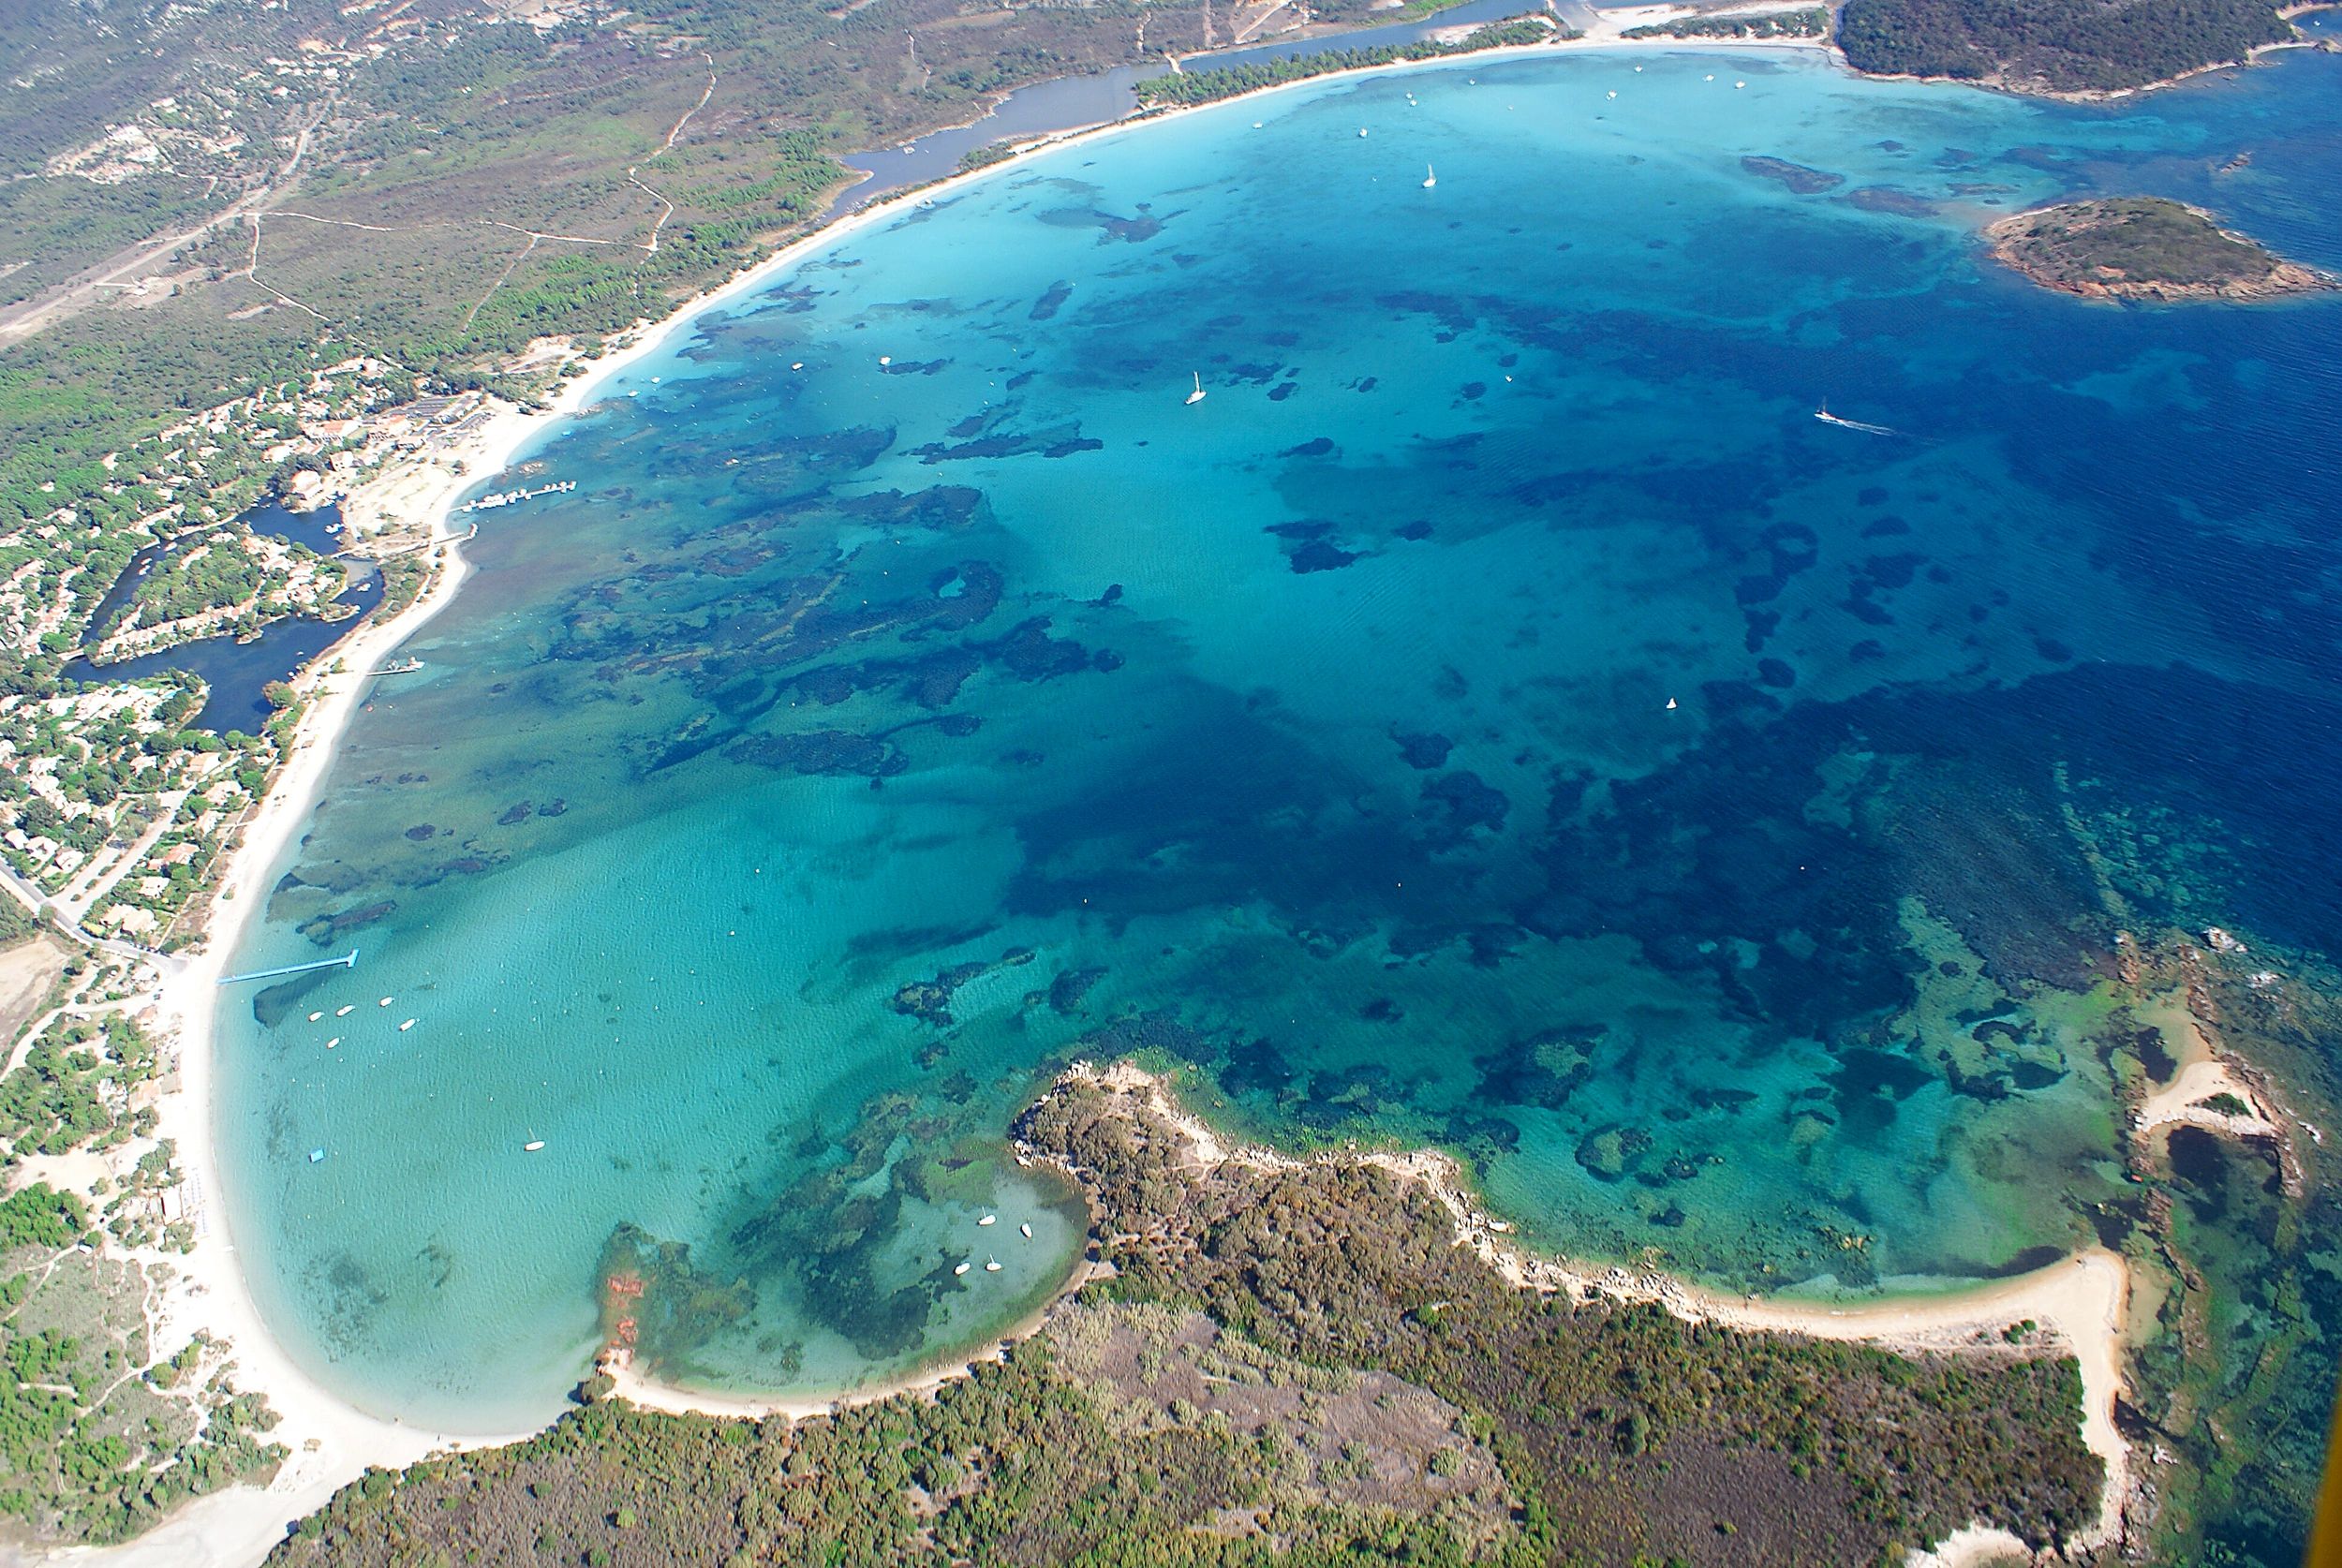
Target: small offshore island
x: 2144, y: 248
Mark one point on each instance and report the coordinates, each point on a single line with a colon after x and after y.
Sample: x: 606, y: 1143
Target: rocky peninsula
x: 2144, y: 248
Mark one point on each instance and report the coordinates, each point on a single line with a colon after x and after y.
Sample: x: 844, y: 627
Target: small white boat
x: 1026, y: 1231
x: 989, y: 1219
x: 405, y: 1027
x: 1197, y: 396
x: 886, y: 359
x: 991, y: 1265
x: 1614, y: 95
x: 532, y: 1146
x: 960, y: 1270
x: 1826, y: 417
x: 1707, y: 79
x: 346, y: 1011
x: 1256, y: 125
x: 314, y: 1017
x: 385, y: 1001
x: 1430, y: 176
x: 1670, y: 704
x: 335, y: 1040
x: 799, y: 365
x: 1362, y: 130
x: 1740, y: 84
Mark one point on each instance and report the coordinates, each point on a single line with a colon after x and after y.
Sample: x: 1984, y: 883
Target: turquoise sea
x: 1499, y: 714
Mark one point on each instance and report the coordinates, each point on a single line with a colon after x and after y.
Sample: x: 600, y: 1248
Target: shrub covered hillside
x: 1294, y: 1366
x: 2062, y: 46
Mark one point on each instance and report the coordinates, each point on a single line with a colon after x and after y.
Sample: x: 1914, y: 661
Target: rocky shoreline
x: 2093, y: 249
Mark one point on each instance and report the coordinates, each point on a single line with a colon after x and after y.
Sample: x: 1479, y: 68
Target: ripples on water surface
x: 855, y: 742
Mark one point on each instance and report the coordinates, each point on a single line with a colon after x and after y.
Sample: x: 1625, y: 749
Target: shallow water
x: 1499, y: 713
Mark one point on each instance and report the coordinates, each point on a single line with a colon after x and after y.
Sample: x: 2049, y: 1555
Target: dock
x: 347, y: 961
x: 513, y: 497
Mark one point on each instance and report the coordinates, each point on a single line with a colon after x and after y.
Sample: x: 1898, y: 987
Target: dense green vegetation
x: 99, y: 1437
x: 72, y: 1089
x: 2060, y: 45
x: 224, y: 567
x: 2130, y: 240
x: 1227, y: 81
x: 40, y: 1216
x: 1292, y: 1366
x: 1812, y: 23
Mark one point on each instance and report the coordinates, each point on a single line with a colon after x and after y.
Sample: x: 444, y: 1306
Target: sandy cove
x: 2081, y: 1301
x: 649, y: 1393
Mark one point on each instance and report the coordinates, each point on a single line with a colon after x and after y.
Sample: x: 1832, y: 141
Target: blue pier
x: 347, y: 961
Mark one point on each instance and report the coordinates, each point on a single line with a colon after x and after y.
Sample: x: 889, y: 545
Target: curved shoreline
x: 2081, y: 1300
x: 334, y: 1441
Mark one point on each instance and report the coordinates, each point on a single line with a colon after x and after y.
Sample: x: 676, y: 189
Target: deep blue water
x: 1500, y: 713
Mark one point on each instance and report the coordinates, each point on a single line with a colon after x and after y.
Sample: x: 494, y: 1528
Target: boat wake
x: 1826, y: 417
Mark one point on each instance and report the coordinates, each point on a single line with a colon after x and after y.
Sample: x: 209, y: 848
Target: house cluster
x: 111, y: 813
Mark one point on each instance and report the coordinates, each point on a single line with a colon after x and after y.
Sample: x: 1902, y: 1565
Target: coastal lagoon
x: 1499, y: 714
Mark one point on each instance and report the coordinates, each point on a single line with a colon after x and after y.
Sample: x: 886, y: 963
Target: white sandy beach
x: 651, y: 1395
x: 332, y: 1443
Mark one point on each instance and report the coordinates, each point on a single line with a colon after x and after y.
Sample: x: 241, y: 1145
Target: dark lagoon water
x: 1499, y: 713
x: 236, y: 673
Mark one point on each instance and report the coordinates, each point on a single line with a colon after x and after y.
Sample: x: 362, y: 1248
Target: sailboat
x: 1197, y: 396
x: 1431, y: 177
